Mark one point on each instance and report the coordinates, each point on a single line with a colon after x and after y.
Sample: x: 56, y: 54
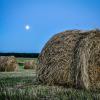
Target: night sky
x: 26, y: 25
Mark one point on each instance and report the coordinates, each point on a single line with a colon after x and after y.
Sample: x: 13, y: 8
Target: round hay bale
x: 88, y: 61
x: 31, y: 64
x: 71, y: 58
x: 8, y: 63
x: 56, y: 60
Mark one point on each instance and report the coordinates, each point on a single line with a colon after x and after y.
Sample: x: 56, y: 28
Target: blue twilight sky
x: 45, y: 18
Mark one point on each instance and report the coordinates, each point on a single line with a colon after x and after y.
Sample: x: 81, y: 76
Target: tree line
x: 25, y: 55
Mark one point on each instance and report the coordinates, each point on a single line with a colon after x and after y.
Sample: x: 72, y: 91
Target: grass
x: 25, y: 59
x: 13, y: 79
x: 22, y: 60
x: 42, y: 92
x: 23, y: 85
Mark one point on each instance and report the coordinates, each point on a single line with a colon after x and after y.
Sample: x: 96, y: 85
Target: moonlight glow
x: 27, y: 27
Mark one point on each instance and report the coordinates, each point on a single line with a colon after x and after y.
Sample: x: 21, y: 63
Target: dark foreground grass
x: 23, y: 85
x: 39, y: 92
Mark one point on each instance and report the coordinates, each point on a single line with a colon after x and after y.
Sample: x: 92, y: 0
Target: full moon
x: 27, y: 27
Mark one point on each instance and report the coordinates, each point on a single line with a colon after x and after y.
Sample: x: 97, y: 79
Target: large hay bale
x: 8, y: 63
x: 88, y: 61
x: 71, y: 58
x: 30, y: 64
x: 56, y: 60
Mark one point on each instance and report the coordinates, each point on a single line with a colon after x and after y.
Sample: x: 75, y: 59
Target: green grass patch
x: 21, y: 62
x: 13, y: 79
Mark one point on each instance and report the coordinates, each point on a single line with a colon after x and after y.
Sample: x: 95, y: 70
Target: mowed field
x: 24, y: 85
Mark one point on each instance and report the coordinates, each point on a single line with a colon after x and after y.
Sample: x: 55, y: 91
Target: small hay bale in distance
x: 8, y: 63
x: 30, y: 64
x: 88, y: 65
x: 56, y: 60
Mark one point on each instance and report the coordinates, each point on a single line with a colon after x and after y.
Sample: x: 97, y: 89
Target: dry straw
x: 8, y: 63
x: 31, y: 64
x: 57, y: 57
x: 88, y: 61
x: 71, y: 58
